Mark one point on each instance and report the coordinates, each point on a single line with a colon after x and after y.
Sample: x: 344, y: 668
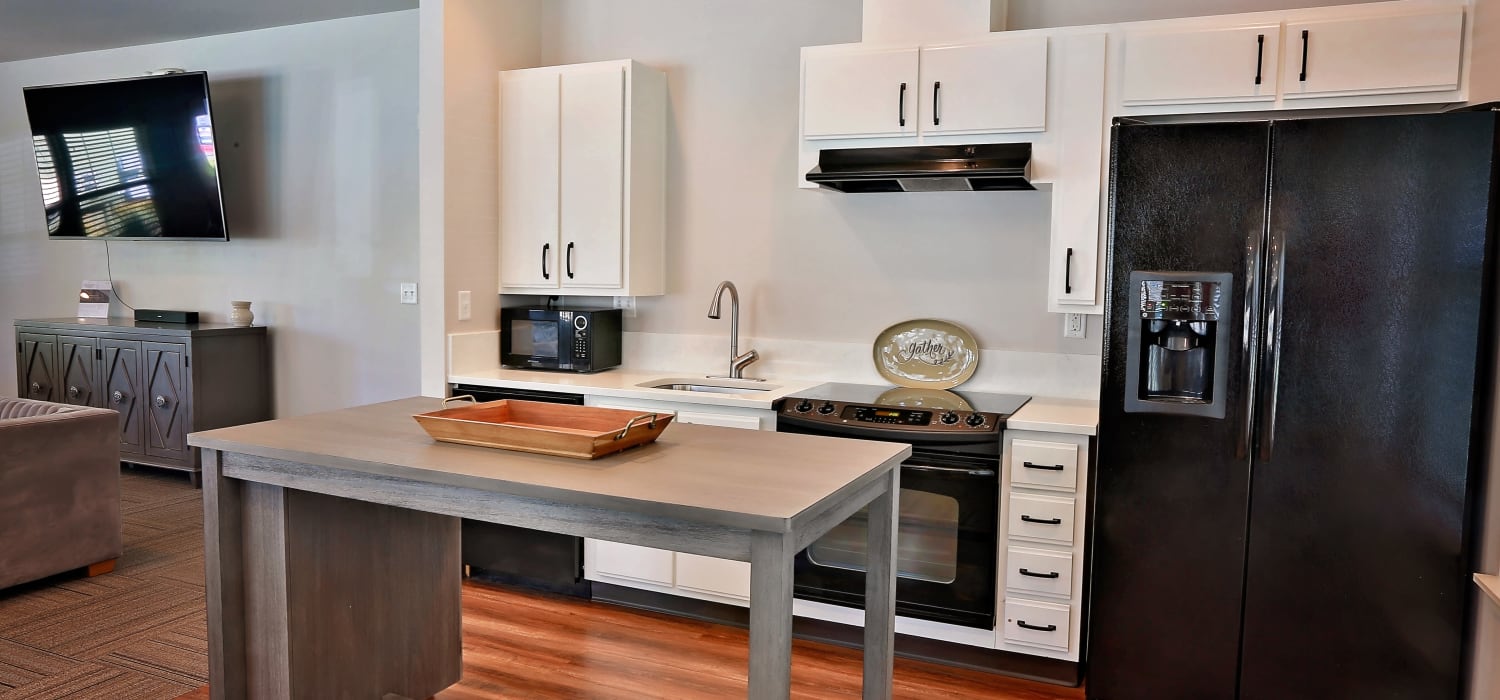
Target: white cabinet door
x: 529, y: 179
x: 593, y: 178
x: 724, y: 577
x: 631, y: 562
x: 850, y: 92
x: 722, y: 420
x: 997, y: 86
x: 1411, y: 52
x: 1198, y: 66
x: 1078, y: 185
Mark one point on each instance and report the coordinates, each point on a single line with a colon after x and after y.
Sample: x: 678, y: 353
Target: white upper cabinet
x: 529, y: 174
x: 592, y: 175
x: 1196, y: 66
x: 1406, y: 52
x: 997, y: 86
x: 583, y: 180
x: 859, y: 92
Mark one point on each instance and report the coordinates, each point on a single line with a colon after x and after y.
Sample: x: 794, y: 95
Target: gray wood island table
x: 333, y: 539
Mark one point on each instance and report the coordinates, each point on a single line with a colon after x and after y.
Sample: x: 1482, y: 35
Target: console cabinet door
x: 120, y: 373
x: 36, y: 367
x: 79, y: 367
x: 167, y: 410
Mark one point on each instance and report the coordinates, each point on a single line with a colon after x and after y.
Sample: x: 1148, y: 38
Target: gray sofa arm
x: 59, y: 492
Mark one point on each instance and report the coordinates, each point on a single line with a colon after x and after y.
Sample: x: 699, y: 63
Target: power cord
x: 109, y: 269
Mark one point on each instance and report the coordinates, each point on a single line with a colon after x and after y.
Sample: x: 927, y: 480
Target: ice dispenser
x: 1179, y: 342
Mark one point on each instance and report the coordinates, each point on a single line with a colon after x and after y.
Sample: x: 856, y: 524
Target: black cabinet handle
x: 1260, y: 55
x: 1045, y: 467
x: 901, y: 106
x: 1033, y: 574
x: 1068, y: 273
x: 1303, y: 77
x: 1040, y: 521
x: 1022, y: 624
x: 545, y: 248
x: 569, y: 259
x: 936, y: 86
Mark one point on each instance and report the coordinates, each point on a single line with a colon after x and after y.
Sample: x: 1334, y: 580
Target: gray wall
x: 318, y: 142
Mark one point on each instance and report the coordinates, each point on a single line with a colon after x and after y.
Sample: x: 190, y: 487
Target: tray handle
x: 463, y: 396
x: 636, y: 421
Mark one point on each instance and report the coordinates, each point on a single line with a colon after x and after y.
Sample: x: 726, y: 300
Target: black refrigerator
x: 1295, y: 394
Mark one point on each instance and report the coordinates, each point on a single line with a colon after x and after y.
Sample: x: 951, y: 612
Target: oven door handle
x: 950, y: 470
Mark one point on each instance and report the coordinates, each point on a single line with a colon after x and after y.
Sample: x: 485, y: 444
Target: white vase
x: 240, y: 313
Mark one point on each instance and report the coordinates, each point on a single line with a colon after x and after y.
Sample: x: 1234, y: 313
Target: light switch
x: 408, y: 292
x: 464, y: 306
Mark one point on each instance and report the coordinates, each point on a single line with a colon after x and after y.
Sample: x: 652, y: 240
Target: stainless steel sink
x: 726, y: 387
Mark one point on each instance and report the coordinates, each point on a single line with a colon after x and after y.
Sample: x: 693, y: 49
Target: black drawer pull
x: 1046, y: 467
x: 1068, y: 273
x: 901, y: 106
x: 1040, y: 521
x: 1022, y: 624
x: 1303, y: 76
x: 1260, y: 53
x: 1033, y: 574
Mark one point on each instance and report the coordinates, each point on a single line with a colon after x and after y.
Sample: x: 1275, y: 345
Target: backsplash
x: 1054, y: 375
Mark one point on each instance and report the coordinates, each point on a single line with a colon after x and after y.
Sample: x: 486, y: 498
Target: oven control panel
x: 895, y: 418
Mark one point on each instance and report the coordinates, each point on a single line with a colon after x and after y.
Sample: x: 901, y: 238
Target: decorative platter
x: 937, y: 399
x: 926, y: 354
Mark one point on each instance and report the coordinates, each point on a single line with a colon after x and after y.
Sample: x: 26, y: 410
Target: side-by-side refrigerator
x: 1296, y: 384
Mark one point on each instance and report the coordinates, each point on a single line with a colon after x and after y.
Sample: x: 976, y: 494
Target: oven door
x: 535, y: 338
x: 945, y: 542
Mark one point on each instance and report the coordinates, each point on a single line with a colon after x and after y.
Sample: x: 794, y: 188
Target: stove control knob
x: 826, y: 408
x: 949, y: 418
x: 804, y: 407
x: 975, y: 420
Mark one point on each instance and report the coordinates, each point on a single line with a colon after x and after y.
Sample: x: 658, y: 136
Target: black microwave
x: 570, y: 340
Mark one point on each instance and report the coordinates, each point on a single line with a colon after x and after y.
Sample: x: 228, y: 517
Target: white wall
x: 809, y: 265
x: 318, y: 141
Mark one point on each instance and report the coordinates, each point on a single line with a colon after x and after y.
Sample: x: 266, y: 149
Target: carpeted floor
x: 138, y: 633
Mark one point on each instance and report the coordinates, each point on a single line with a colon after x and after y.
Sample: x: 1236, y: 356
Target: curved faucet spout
x: 737, y: 362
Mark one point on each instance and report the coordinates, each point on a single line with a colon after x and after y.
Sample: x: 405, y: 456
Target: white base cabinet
x: 718, y: 580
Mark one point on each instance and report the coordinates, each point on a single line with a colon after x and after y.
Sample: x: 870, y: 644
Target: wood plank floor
x: 139, y: 634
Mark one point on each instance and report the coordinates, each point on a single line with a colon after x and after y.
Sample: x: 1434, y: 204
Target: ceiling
x: 34, y: 28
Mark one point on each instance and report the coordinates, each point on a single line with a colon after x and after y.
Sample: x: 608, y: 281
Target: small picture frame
x: 94, y: 297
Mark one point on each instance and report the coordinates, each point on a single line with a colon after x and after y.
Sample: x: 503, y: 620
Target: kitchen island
x: 333, y: 539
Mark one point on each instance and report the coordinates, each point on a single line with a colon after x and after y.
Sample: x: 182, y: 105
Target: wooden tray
x: 581, y: 432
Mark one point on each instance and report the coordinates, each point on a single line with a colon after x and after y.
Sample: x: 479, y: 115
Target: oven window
x: 534, y: 339
x: 926, y: 539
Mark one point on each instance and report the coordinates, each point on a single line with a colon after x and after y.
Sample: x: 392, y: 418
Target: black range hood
x: 979, y: 168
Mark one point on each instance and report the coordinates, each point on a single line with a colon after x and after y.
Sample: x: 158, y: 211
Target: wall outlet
x: 626, y: 305
x: 408, y: 292
x: 465, y: 305
x: 1075, y: 325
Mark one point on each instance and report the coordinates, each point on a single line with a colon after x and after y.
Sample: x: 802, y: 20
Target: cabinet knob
x: 118, y: 397
x: 161, y: 401
x: 36, y: 388
x: 72, y: 392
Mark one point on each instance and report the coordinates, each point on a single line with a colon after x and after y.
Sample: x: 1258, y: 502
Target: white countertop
x: 627, y: 384
x: 1075, y: 416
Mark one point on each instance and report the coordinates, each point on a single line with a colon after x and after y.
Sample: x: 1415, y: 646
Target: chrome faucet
x: 737, y: 362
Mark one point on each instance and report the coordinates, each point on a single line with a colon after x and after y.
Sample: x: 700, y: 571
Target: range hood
x: 979, y: 167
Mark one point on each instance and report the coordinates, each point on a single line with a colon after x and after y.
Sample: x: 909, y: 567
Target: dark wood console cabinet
x: 165, y: 379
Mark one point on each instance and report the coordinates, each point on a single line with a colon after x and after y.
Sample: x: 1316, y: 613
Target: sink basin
x: 711, y: 386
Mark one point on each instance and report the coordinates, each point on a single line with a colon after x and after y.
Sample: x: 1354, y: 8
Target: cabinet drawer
x: 1042, y: 517
x: 1039, y: 571
x: 1047, y: 464
x: 1037, y: 624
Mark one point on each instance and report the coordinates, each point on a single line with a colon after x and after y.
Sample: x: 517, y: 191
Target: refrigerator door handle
x: 1250, y: 337
x: 1275, y: 293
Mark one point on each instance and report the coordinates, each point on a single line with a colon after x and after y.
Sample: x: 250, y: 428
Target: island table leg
x: 771, y: 556
x: 224, y: 579
x: 880, y: 591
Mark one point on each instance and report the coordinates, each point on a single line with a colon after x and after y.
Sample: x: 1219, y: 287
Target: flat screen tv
x: 128, y: 159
